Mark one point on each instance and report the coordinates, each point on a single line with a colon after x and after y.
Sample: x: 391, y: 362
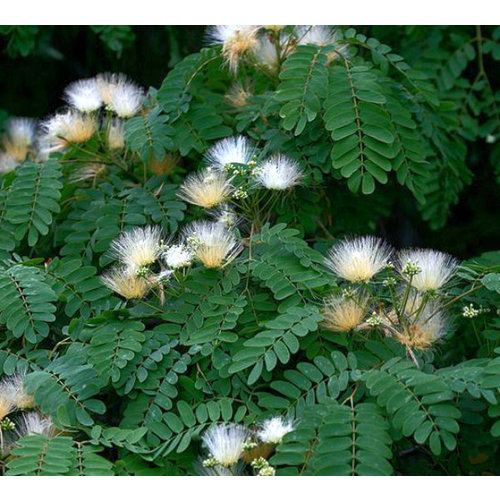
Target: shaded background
x: 37, y: 62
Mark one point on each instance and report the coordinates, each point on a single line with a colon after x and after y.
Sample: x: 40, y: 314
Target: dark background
x: 37, y: 62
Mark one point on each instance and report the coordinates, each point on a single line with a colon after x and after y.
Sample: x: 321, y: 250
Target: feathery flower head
x: 107, y: 83
x: 317, y: 35
x: 211, y: 243
x: 206, y: 188
x: 279, y: 172
x: 228, y: 151
x: 236, y: 40
x: 35, y: 423
x: 322, y: 35
x: 429, y: 328
x: 274, y: 429
x: 83, y: 95
x: 7, y: 163
x: 358, y: 259
x: 265, y: 53
x: 19, y: 137
x: 119, y: 94
x: 6, y: 405
x: 12, y: 388
x: 90, y: 171
x: 342, y: 314
x: 177, y: 256
x: 115, y: 135
x: 126, y: 99
x: 225, y: 443
x: 436, y: 268
x: 63, y: 129
x: 130, y: 286
x: 238, y: 95
x: 341, y: 51
x: 138, y: 247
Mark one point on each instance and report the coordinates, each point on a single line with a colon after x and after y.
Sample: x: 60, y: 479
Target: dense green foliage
x: 388, y: 135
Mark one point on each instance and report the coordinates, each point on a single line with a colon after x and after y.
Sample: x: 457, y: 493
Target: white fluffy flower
x: 436, y: 268
x: 225, y: 443
x: 89, y: 172
x: 107, y: 83
x: 119, y: 94
x: 19, y: 136
x: 238, y: 95
x: 7, y: 163
x: 211, y: 243
x: 232, y: 150
x: 236, y: 40
x: 430, y: 326
x: 317, y: 35
x: 206, y: 188
x: 358, y: 259
x: 224, y: 33
x: 126, y: 99
x: 35, y: 423
x: 279, y: 172
x: 12, y: 390
x: 265, y: 53
x: 21, y: 129
x: 130, y: 286
x: 322, y: 35
x: 274, y: 429
x: 177, y: 256
x: 63, y: 129
x: 115, y: 136
x: 138, y: 248
x: 84, y: 95
x: 342, y: 314
x: 7, y: 404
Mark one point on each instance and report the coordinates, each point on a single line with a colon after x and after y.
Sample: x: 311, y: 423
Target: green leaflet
x: 278, y: 342
x: 78, y: 286
x: 37, y: 455
x: 65, y: 389
x: 149, y: 135
x: 113, y: 345
x: 417, y: 402
x: 175, y: 93
x: 26, y: 303
x: 304, y: 80
x: 33, y: 199
x: 309, y: 383
x: 359, y: 126
x: 186, y: 423
x: 334, y: 440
